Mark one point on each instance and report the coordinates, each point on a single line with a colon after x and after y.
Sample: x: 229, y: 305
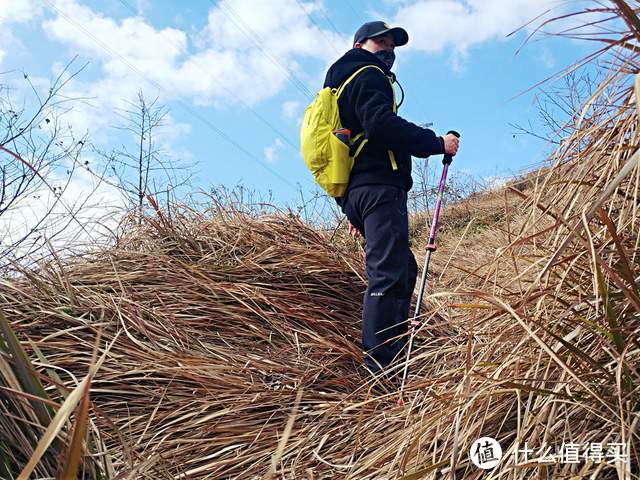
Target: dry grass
x: 224, y: 319
x: 217, y: 316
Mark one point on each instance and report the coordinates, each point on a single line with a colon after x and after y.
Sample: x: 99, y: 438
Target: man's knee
x: 389, y: 279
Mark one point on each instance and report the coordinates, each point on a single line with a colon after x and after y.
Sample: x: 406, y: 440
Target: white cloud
x: 493, y: 182
x: 153, y: 52
x: 18, y: 11
x: 12, y: 12
x: 291, y: 109
x: 225, y: 64
x: 218, y: 66
x: 547, y: 59
x: 435, y: 26
x: 142, y: 6
x: 85, y: 211
x: 271, y: 152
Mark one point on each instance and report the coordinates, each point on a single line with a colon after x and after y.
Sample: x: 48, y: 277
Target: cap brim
x: 400, y: 35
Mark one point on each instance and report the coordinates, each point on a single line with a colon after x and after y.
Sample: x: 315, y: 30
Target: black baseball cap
x: 373, y: 29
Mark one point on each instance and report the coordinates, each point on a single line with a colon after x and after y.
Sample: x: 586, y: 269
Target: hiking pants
x: 380, y: 213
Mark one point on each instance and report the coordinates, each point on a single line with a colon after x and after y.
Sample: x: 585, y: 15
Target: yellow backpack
x: 323, y: 152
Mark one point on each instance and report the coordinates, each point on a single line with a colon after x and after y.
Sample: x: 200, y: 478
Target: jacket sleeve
x: 371, y: 96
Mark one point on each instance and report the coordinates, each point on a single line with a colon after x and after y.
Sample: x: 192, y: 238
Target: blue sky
x: 237, y: 74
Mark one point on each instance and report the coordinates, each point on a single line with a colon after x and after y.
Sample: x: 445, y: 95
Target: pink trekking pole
x: 431, y: 247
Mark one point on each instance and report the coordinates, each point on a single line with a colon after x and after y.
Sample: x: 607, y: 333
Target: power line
x: 328, y: 19
x: 357, y: 12
x: 318, y: 26
x: 228, y: 90
x: 204, y: 120
x: 228, y: 11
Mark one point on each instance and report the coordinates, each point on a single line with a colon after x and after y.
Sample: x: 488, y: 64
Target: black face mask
x: 386, y: 56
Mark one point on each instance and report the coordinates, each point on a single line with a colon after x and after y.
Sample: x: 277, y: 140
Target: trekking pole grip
x: 447, y: 159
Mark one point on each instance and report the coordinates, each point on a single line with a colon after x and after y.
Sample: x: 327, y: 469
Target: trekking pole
x: 431, y: 247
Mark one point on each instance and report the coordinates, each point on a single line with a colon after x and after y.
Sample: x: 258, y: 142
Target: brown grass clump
x: 221, y: 321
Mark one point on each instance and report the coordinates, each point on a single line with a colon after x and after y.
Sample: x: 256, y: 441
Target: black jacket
x: 367, y: 104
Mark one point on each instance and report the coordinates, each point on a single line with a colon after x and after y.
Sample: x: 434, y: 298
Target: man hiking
x: 375, y: 201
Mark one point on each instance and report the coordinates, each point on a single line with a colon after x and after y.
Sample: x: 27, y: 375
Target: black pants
x: 380, y: 213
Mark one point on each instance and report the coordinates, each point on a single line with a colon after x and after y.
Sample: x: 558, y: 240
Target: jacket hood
x: 349, y: 63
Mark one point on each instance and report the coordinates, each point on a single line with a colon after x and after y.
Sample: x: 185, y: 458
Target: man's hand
x: 451, y: 144
x: 353, y: 231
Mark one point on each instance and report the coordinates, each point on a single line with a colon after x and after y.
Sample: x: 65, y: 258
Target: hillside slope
x: 219, y: 325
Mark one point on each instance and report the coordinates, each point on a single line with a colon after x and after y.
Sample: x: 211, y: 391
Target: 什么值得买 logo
x: 485, y: 453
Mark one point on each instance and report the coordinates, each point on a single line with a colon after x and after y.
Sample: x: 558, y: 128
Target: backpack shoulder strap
x: 354, y: 75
